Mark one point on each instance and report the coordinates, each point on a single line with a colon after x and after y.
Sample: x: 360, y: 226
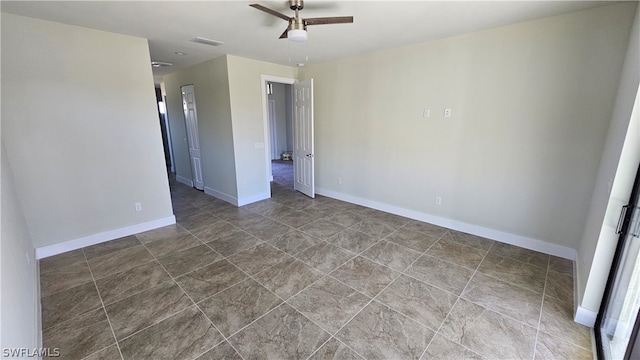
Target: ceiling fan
x: 297, y: 29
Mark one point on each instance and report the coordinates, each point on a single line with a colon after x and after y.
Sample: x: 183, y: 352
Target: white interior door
x: 191, y: 122
x: 303, y: 155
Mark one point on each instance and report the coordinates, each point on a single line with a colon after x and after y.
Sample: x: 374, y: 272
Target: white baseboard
x: 585, y: 317
x: 252, y: 199
x: 184, y: 180
x: 220, y: 195
x: 59, y: 248
x: 234, y: 200
x: 501, y: 236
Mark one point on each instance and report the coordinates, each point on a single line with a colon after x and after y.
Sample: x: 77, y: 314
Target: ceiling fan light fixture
x: 297, y: 35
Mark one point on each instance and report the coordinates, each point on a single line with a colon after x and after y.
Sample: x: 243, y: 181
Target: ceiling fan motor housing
x: 296, y: 4
x: 297, y: 23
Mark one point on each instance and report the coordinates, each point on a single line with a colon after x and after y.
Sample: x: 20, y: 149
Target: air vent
x: 206, y: 41
x: 158, y: 64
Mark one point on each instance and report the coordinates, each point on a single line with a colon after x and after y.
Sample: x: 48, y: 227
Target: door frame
x: 625, y: 222
x: 264, y: 79
x: 273, y: 126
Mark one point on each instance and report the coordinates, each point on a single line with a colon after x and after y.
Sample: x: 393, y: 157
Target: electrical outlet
x: 339, y: 181
x: 28, y: 257
x: 438, y: 200
x: 447, y: 112
x: 426, y: 113
x: 138, y: 206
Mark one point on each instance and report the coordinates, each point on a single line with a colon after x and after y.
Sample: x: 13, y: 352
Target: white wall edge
x: 38, y: 306
x: 184, y: 180
x: 252, y: 199
x: 501, y: 236
x: 220, y: 195
x: 59, y: 248
x: 585, y: 317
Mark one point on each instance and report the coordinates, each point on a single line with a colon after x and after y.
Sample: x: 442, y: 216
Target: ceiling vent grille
x: 158, y: 64
x: 206, y: 41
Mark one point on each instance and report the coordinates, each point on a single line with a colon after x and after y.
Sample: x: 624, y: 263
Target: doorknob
x: 636, y: 231
x: 622, y: 219
x: 309, y: 155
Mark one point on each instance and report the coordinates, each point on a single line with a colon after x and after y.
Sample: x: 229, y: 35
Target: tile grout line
x: 507, y: 282
x: 544, y: 291
x: 225, y: 338
x: 325, y: 275
x: 373, y: 298
x: 476, y: 270
x: 173, y: 314
x: 251, y: 277
x: 456, y: 302
x: 104, y: 308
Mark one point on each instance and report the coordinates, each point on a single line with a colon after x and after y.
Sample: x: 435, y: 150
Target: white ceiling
x: 247, y: 32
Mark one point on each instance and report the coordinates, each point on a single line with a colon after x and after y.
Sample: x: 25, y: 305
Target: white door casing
x: 193, y: 141
x: 303, y: 155
x: 273, y: 128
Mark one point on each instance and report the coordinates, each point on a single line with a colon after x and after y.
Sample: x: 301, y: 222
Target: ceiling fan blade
x: 284, y: 34
x: 269, y: 11
x: 329, y: 20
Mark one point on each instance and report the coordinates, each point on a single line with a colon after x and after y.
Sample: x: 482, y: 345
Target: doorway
x: 165, y: 131
x: 280, y: 112
x: 272, y: 158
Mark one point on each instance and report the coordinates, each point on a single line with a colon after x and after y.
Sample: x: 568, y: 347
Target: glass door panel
x: 619, y: 317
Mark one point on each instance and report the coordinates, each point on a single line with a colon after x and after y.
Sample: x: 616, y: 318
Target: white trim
x: 38, y: 305
x: 234, y: 200
x: 585, y: 317
x: 273, y: 129
x: 265, y: 123
x: 576, y: 283
x: 59, y: 248
x: 184, y: 180
x: 252, y: 199
x: 501, y: 236
x: 220, y: 195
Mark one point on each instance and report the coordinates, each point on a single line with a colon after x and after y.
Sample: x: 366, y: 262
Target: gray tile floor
x: 296, y: 278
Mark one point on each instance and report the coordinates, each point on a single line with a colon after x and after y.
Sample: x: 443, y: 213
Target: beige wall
x: 229, y: 104
x: 19, y: 297
x: 531, y: 105
x: 618, y: 167
x: 81, y: 130
x: 211, y: 87
x: 246, y: 89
